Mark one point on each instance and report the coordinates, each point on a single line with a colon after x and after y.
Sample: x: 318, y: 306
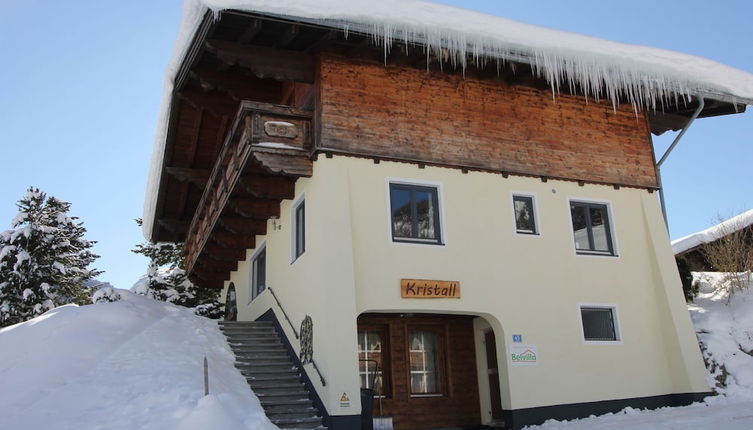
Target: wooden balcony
x: 266, y: 149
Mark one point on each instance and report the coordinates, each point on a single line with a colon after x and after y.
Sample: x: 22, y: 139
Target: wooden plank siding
x: 410, y: 114
x: 459, y: 403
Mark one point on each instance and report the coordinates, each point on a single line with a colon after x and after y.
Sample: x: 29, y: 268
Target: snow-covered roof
x: 603, y: 69
x: 711, y: 234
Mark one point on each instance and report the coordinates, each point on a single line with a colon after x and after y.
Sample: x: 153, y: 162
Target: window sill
x: 596, y: 253
x: 417, y: 242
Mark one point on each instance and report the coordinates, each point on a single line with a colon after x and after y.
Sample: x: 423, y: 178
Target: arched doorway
x: 231, y: 307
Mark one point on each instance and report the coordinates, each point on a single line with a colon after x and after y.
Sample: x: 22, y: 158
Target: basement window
x: 414, y: 213
x: 599, y: 323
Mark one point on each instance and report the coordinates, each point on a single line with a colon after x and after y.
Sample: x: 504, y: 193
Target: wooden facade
x: 458, y: 402
x: 404, y: 113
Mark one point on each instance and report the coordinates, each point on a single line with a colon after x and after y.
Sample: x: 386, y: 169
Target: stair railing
x: 295, y: 332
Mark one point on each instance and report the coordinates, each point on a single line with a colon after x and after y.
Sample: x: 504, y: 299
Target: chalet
x: 455, y: 210
x: 693, y: 248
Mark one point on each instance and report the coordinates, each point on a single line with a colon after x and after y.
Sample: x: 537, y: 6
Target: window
x: 299, y: 229
x: 599, y: 324
x: 424, y: 362
x: 415, y: 213
x: 372, y: 363
x: 525, y: 216
x: 259, y: 272
x: 591, y: 228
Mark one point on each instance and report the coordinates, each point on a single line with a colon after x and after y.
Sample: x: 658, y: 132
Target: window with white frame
x: 525, y: 214
x: 259, y: 272
x: 414, y: 213
x: 591, y: 228
x: 299, y: 229
x: 424, y: 362
x: 599, y: 323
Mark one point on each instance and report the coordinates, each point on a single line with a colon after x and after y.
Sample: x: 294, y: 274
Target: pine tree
x: 43, y: 259
x: 167, y: 281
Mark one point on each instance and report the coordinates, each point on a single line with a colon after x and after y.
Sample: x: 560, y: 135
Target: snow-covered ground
x: 137, y: 364
x: 727, y: 332
x: 132, y: 364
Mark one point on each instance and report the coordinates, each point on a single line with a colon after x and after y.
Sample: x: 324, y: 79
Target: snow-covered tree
x: 167, y: 281
x: 44, y: 259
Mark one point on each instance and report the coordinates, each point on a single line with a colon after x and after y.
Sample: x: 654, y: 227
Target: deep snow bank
x: 132, y: 364
x: 726, y: 331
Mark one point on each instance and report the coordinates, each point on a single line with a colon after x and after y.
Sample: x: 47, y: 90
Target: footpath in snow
x: 132, y: 364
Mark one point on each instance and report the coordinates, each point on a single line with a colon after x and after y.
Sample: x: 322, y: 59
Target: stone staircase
x: 269, y: 370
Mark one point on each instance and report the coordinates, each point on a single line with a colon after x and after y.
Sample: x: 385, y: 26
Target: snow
x: 648, y: 77
x: 132, y: 364
x: 278, y: 145
x: 713, y: 233
x: 727, y: 333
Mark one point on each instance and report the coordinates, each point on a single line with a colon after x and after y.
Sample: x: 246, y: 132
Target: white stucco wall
x: 520, y: 284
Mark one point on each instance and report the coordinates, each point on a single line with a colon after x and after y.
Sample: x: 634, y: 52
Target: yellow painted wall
x: 521, y: 284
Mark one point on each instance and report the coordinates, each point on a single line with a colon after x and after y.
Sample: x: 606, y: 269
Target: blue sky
x: 81, y: 85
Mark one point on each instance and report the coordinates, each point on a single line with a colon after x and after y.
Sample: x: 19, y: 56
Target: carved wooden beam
x: 244, y: 226
x: 238, y: 85
x: 255, y: 208
x: 178, y: 226
x: 197, y: 177
x: 252, y: 29
x: 263, y: 62
x: 268, y: 187
x: 287, y: 37
x: 233, y: 240
x: 209, y: 264
x: 225, y: 254
x: 214, y: 102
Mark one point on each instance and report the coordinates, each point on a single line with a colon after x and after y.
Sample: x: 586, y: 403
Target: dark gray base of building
x: 519, y: 418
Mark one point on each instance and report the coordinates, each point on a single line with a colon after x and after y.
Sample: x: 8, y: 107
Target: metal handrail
x: 295, y: 332
x: 285, y: 314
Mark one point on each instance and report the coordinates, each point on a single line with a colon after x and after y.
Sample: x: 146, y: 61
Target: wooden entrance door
x: 493, y: 372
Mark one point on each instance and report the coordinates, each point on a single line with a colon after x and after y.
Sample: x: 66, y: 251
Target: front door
x: 493, y: 372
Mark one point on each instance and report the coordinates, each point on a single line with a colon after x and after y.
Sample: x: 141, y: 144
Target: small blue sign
x: 517, y: 338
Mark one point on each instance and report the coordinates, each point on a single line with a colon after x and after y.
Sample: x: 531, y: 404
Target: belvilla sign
x: 427, y: 289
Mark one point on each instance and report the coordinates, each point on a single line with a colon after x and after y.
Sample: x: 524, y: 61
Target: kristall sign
x: 523, y: 355
x: 427, y: 289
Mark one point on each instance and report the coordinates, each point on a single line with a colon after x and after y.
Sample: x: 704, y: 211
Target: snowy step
x: 256, y: 343
x: 264, y: 356
x: 273, y: 416
x: 309, y: 423
x: 297, y: 390
x: 259, y: 348
x: 290, y: 393
x: 246, y: 323
x: 249, y: 334
x: 297, y: 408
x: 282, y: 377
x: 270, y: 341
x: 252, y: 362
x: 275, y: 385
x: 249, y: 331
x: 275, y: 402
x: 266, y: 368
